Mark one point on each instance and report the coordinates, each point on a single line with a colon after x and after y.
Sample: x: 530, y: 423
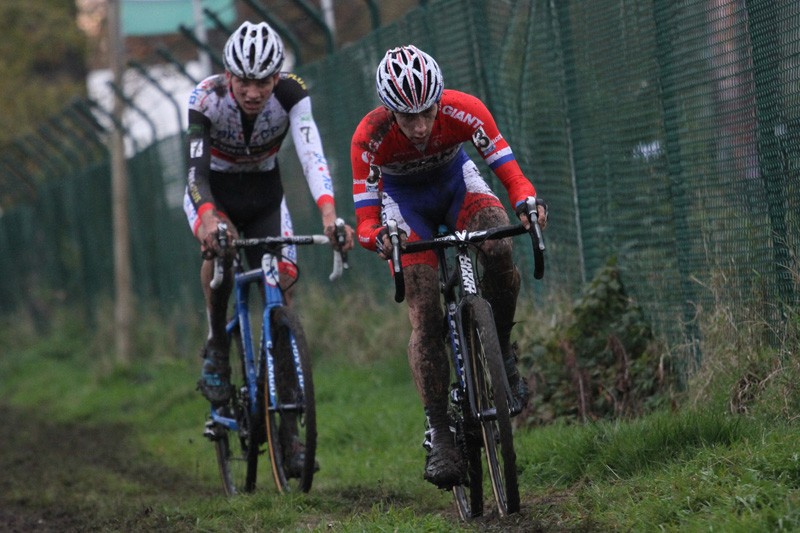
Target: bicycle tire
x: 469, y: 497
x: 489, y: 383
x: 237, y: 451
x: 288, y: 427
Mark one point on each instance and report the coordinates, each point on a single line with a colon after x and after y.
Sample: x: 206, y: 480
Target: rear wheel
x: 488, y: 382
x: 237, y: 450
x: 291, y: 411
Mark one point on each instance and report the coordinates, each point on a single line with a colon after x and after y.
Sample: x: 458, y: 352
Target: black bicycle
x: 479, y: 397
x: 273, y: 401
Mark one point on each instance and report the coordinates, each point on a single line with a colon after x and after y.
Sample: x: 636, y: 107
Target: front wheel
x: 469, y: 497
x: 291, y: 410
x: 488, y: 383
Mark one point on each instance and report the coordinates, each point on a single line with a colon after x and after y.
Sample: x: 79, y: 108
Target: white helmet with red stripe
x: 408, y: 80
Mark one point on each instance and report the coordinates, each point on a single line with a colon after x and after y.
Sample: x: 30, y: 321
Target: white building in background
x: 158, y: 109
x: 158, y: 112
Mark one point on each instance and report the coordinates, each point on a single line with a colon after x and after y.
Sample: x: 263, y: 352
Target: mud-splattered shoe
x: 444, y: 467
x: 214, y: 382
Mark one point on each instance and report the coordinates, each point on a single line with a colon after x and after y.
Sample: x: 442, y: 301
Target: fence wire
x: 662, y: 134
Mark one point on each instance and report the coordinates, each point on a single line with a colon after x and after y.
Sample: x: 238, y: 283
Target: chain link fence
x: 663, y: 134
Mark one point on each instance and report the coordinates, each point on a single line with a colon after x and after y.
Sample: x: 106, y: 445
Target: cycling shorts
x: 255, y: 204
x: 421, y: 203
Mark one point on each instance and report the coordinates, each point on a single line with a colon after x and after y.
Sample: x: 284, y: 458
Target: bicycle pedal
x: 211, y: 431
x: 455, y: 396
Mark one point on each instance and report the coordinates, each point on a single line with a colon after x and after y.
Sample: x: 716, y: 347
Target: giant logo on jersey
x: 463, y: 116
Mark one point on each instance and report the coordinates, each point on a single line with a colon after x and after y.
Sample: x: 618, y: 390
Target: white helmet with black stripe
x: 408, y: 80
x: 254, y: 51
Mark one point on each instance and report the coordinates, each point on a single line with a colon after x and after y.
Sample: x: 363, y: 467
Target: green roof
x: 153, y: 17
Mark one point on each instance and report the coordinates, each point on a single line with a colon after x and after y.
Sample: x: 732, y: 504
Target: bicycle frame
x: 269, y: 276
x: 459, y: 279
x: 273, y: 297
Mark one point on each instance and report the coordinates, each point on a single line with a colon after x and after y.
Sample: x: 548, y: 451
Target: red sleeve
x: 366, y: 180
x: 472, y: 114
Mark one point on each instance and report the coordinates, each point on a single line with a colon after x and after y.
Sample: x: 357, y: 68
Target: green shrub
x: 600, y: 360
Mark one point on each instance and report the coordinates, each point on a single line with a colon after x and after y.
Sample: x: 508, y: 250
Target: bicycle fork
x: 275, y: 403
x: 458, y: 355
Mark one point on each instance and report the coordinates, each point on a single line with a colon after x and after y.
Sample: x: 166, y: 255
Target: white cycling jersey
x: 218, y: 141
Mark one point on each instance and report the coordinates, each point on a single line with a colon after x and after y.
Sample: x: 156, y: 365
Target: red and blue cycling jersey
x: 429, y: 184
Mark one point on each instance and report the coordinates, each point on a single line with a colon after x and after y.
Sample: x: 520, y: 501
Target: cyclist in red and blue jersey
x: 409, y: 165
x: 237, y: 123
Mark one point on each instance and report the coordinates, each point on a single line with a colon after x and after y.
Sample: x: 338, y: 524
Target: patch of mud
x: 53, y: 476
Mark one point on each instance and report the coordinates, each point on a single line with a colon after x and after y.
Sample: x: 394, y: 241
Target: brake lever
x: 397, y: 267
x: 339, y: 257
x: 341, y: 239
x: 537, y: 239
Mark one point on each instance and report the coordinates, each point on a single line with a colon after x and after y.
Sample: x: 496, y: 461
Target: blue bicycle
x: 272, y: 407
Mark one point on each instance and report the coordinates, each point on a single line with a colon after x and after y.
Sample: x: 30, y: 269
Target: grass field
x: 90, y: 445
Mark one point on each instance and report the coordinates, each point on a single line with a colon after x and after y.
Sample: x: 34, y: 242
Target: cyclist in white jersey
x: 237, y: 123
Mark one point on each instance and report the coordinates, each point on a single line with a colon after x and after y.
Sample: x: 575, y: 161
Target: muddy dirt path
x: 66, y: 477
x: 70, y: 477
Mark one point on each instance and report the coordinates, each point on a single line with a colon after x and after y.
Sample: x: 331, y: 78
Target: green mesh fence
x: 664, y: 134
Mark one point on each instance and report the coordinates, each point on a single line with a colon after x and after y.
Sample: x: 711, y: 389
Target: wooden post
x: 123, y: 300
